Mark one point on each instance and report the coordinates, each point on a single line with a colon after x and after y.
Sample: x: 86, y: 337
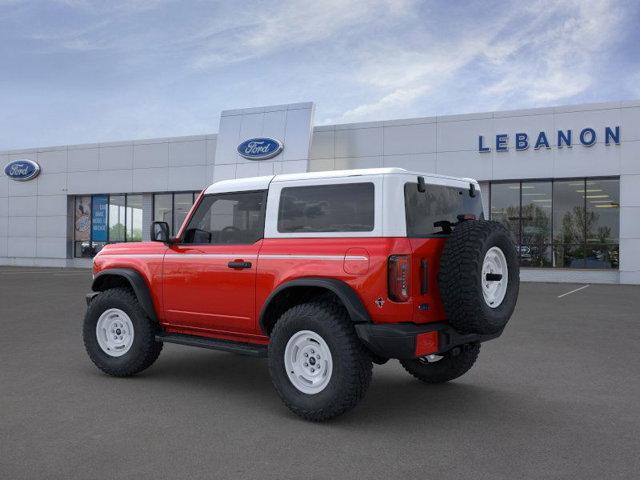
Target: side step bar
x: 214, y: 344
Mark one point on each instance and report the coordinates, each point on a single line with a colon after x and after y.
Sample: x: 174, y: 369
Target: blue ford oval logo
x: 22, y: 170
x: 260, y: 148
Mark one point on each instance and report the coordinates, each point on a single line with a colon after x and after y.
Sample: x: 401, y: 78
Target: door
x: 209, y: 276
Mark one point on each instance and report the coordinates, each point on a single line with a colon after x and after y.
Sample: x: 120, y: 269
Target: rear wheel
x: 318, y: 365
x: 443, y: 368
x: 118, y: 335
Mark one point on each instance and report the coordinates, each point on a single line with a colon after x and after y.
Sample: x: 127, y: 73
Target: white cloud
x: 543, y: 52
x: 288, y: 24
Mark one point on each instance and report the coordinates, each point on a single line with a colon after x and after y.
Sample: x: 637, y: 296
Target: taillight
x: 399, y: 278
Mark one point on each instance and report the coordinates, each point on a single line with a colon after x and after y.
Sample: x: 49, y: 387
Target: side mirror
x: 160, y: 232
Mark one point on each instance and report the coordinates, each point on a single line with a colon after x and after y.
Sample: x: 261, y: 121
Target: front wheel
x: 118, y: 335
x: 443, y: 368
x: 318, y: 365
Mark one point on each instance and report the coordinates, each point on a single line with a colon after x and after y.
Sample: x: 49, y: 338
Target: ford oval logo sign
x: 260, y: 148
x: 22, y: 170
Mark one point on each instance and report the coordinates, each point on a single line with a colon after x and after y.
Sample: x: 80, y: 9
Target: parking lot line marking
x: 573, y: 291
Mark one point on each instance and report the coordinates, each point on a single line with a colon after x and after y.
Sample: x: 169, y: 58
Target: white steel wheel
x: 114, y: 332
x: 495, y: 277
x: 308, y: 362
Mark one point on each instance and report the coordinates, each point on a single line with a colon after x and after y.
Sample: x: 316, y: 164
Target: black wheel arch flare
x: 347, y: 296
x: 105, y: 279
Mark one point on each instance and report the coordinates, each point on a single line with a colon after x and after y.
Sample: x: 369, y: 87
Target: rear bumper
x: 398, y: 340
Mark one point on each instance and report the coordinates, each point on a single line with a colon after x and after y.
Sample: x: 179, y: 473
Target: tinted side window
x: 438, y: 203
x: 228, y: 218
x: 327, y: 208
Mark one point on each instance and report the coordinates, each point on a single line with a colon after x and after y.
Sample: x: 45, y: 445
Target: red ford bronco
x: 323, y: 273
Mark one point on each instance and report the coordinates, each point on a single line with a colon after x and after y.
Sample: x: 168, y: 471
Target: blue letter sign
x: 99, y: 218
x: 522, y: 141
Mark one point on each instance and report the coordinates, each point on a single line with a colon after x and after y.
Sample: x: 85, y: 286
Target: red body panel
x: 195, y: 292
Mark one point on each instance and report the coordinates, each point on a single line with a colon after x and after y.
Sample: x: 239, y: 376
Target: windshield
x: 438, y: 203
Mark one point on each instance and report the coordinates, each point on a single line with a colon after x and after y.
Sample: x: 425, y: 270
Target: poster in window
x: 82, y: 218
x: 99, y: 218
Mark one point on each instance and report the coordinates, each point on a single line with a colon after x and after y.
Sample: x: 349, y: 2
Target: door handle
x: 239, y: 264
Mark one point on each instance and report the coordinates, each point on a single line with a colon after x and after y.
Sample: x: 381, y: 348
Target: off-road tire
x: 144, y: 349
x: 351, y: 362
x: 460, y: 277
x: 448, y: 368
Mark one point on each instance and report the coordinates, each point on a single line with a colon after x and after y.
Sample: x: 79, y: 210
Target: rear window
x: 347, y: 207
x: 437, y: 203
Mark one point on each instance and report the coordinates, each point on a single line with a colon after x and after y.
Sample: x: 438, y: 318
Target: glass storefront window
x: 564, y: 223
x: 103, y: 219
x: 82, y: 226
x: 535, y: 249
x: 117, y: 218
x: 172, y: 208
x: 568, y: 212
x: 134, y: 218
x: 505, y: 207
x: 182, y: 203
x: 163, y: 209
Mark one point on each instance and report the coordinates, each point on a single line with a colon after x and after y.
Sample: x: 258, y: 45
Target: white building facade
x: 564, y: 180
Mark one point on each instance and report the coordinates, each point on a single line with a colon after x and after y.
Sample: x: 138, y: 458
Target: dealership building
x: 564, y: 180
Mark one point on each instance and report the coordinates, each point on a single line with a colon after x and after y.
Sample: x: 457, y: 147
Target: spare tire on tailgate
x: 479, y: 277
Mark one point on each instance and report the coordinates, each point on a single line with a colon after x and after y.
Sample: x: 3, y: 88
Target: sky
x: 80, y: 71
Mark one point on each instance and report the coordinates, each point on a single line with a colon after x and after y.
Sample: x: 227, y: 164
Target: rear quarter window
x: 346, y: 207
x: 437, y: 203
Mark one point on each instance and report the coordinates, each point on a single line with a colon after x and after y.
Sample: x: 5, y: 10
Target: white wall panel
x: 297, y: 135
x: 630, y: 191
x: 321, y: 164
x: 247, y: 170
x: 188, y: 153
x: 581, y: 161
x: 105, y: 181
x: 150, y: 179
x: 420, y: 138
x: 629, y: 222
x: 4, y: 206
x: 151, y: 155
x: 464, y: 164
x: 22, y: 189
x: 22, y: 227
x: 522, y: 164
x: 358, y: 162
x: 322, y: 144
x: 83, y: 159
x: 52, y: 226
x: 117, y: 157
x: 629, y: 157
x: 358, y: 142
x: 51, y: 247
x: 419, y: 162
x: 630, y: 124
x: 22, y: 206
x: 52, y: 161
x: 21, y: 246
x: 51, y: 205
x: 52, y: 183
x: 187, y: 178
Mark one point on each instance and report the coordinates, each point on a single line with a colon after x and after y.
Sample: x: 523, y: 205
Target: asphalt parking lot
x: 557, y: 396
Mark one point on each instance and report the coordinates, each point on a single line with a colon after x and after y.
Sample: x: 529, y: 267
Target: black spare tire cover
x: 479, y: 277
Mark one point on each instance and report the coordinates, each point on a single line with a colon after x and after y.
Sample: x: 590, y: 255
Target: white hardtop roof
x: 262, y: 183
